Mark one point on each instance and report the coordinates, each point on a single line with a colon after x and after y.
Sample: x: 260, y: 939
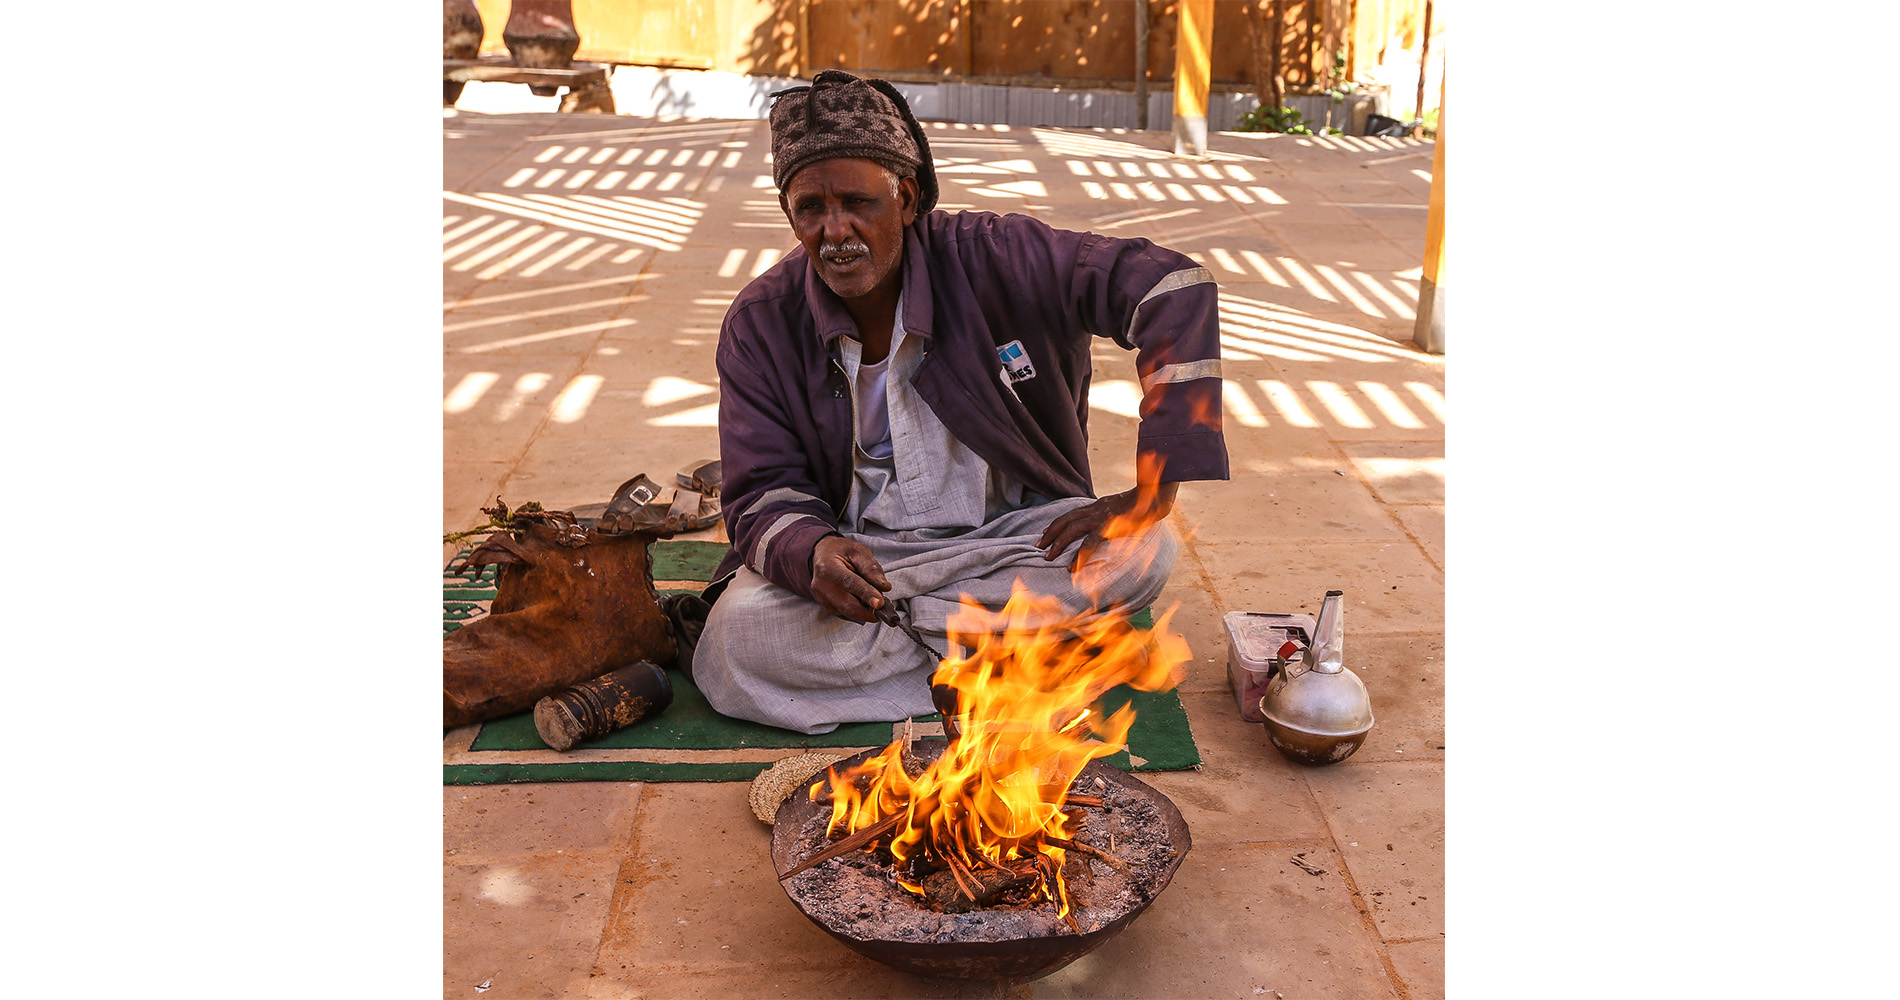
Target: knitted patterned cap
x: 843, y: 115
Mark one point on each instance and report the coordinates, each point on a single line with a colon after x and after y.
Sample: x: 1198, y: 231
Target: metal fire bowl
x: 1017, y: 960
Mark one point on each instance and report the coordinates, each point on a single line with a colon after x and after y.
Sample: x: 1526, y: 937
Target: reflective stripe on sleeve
x: 784, y: 521
x: 1184, y: 372
x: 770, y: 497
x: 1180, y: 279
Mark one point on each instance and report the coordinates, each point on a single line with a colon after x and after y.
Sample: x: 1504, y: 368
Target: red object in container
x: 1254, y: 644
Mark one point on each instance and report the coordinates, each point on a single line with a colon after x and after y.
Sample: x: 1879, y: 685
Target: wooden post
x: 1352, y: 40
x: 1428, y: 331
x: 1193, y: 76
x: 1276, y: 69
x: 804, y: 41
x: 1424, y: 59
x: 1315, y: 21
x: 1262, y: 62
x: 1141, y: 64
x: 969, y: 38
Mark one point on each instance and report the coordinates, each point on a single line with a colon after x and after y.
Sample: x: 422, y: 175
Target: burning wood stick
x: 1069, y: 917
x: 1087, y: 872
x: 1050, y: 877
x: 848, y: 844
x: 962, y: 874
x: 1088, y: 849
x: 987, y: 863
x: 1084, y: 800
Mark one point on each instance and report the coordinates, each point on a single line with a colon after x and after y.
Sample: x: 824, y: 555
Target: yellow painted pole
x: 1193, y: 76
x: 1428, y: 332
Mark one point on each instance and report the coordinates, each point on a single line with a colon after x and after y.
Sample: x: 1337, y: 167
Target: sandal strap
x: 634, y: 493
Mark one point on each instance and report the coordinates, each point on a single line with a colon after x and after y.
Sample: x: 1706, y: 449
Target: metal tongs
x: 942, y: 696
x: 888, y: 614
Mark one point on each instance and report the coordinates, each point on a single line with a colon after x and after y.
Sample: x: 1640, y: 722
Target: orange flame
x: 1030, y: 719
x: 1121, y: 534
x: 1148, y: 466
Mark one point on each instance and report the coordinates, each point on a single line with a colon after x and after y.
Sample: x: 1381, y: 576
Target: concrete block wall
x: 648, y: 90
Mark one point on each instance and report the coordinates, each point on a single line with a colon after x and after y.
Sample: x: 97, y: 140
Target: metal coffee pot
x: 1318, y: 712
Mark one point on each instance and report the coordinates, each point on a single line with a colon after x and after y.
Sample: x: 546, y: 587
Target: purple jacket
x: 978, y: 286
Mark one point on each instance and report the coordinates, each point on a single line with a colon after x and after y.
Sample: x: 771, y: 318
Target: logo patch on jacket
x: 1016, y: 364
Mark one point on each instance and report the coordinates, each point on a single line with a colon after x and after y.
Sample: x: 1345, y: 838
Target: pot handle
x: 1293, y: 659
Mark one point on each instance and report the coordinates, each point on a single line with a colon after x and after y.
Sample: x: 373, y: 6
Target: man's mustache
x: 849, y: 246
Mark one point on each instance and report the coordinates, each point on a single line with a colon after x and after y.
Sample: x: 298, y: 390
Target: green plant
x: 1266, y: 119
x: 1338, y: 87
x: 1291, y: 121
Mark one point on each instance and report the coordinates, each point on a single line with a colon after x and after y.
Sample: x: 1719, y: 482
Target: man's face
x: 850, y: 215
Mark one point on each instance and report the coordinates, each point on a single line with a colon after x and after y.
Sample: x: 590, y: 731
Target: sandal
x: 627, y: 511
x: 703, y: 476
x: 640, y: 504
x: 691, y: 511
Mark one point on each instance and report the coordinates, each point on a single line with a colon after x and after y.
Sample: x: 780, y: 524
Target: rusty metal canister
x: 462, y: 29
x: 595, y: 708
x: 461, y: 39
x: 540, y: 34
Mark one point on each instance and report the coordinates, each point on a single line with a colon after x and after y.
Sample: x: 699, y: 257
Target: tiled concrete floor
x: 588, y: 260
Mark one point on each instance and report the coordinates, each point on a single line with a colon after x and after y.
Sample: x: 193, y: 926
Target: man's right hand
x: 846, y: 579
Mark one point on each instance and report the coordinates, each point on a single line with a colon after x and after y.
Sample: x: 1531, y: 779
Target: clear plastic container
x: 1254, y: 639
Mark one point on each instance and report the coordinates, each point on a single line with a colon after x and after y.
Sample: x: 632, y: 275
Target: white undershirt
x: 874, y: 415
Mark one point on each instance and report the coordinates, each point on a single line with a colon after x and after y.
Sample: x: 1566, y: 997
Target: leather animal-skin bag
x: 571, y: 604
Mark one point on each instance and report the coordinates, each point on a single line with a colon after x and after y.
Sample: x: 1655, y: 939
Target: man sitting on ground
x: 903, y: 421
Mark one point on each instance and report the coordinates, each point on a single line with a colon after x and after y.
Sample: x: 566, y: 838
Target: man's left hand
x: 1112, y: 516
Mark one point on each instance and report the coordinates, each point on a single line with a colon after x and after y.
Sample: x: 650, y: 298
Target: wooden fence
x: 1082, y: 43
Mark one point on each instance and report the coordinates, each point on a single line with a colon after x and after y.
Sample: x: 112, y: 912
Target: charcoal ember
x: 943, y: 889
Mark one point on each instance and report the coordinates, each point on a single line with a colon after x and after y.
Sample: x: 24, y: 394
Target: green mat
x: 691, y: 742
